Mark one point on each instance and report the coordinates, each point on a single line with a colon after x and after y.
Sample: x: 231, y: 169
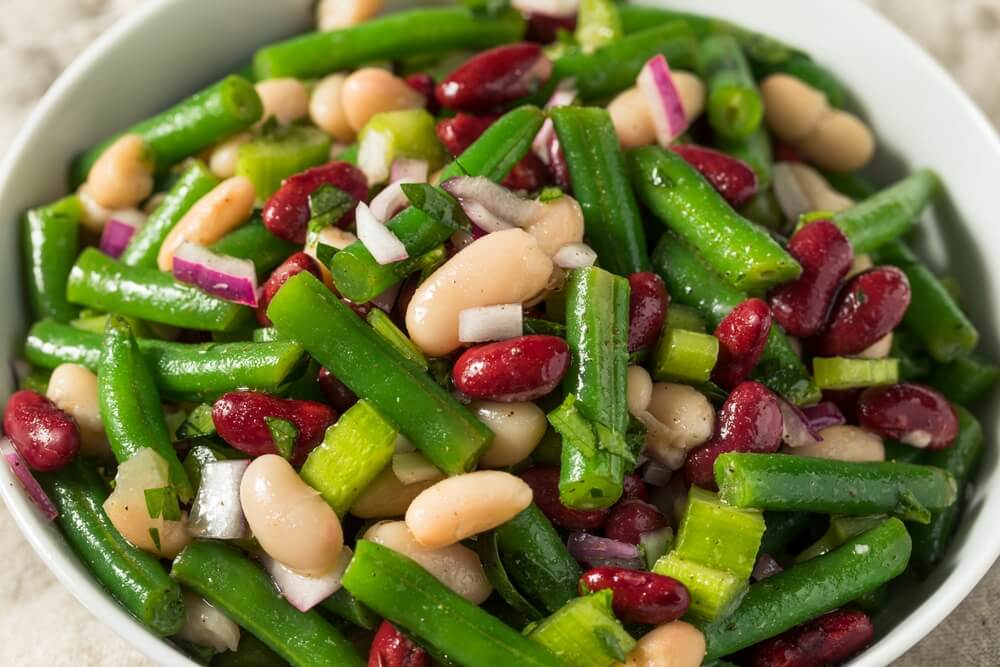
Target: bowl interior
x: 170, y: 48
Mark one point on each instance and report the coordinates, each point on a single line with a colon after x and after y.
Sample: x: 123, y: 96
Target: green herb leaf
x: 573, y: 426
x: 198, y: 424
x: 911, y: 509
x: 436, y: 203
x: 155, y: 534
x: 284, y: 434
x: 163, y: 502
x: 544, y: 327
x: 325, y: 253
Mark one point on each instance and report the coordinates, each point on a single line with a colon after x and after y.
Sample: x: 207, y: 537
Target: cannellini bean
x: 73, y: 388
x: 559, y: 223
x: 225, y: 208
x: 691, y: 91
x: 455, y: 566
x: 95, y: 216
x: 632, y: 119
x: 126, y: 506
x: 499, y: 268
x: 517, y: 430
x: 845, y: 443
x: 123, y: 175
x: 861, y: 264
x: 290, y: 520
x: 223, y: 157
x: 371, y: 90
x: 792, y: 108
x: 880, y: 349
x: 817, y: 190
x: 466, y: 505
x: 326, y: 108
x: 840, y: 141
x: 676, y: 644
x: 387, y: 497
x: 682, y: 418
x: 286, y: 100
x: 334, y: 14
x: 205, y: 625
x: 640, y: 391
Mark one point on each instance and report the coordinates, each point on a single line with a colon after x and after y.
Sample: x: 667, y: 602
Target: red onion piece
x: 555, y: 8
x: 304, y: 592
x: 489, y: 323
x: 665, y: 105
x: 387, y: 299
x: 594, y: 551
x: 490, y: 206
x: 216, y: 512
x: 226, y: 277
x: 797, y: 431
x: 408, y: 169
x: 381, y: 243
x: 765, y: 567
x: 390, y: 201
x: 565, y: 94
x: 824, y: 414
x: 574, y: 256
x: 791, y: 197
x: 20, y: 468
x: 118, y: 231
x: 656, y: 474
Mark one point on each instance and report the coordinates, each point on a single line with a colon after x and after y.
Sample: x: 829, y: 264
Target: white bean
x: 123, y: 175
x: 860, y: 264
x: 792, y: 108
x: 326, y: 108
x: 224, y: 156
x: 95, y: 216
x: 559, y: 223
x: 466, y: 505
x: 371, y: 91
x: 456, y: 566
x: 632, y: 119
x: 74, y: 389
x: 691, y: 91
x: 640, y: 391
x: 817, y: 190
x: 286, y: 100
x: 387, y: 497
x: 880, y: 349
x: 840, y: 141
x: 334, y: 14
x: 499, y: 268
x: 676, y: 644
x: 845, y: 443
x: 222, y: 210
x: 292, y: 523
x: 683, y: 418
x: 517, y: 430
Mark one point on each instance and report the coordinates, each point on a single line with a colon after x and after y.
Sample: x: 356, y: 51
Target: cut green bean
x: 807, y: 484
x: 733, y: 104
x: 913, y: 360
x: 887, y: 214
x: 755, y: 150
x: 685, y: 356
x: 437, y: 424
x: 782, y: 528
x: 850, y: 373
x: 500, y: 147
x: 585, y: 632
x: 600, y: 183
x: 385, y: 327
x: 253, y: 241
x: 413, y: 600
x: 240, y: 588
x: 965, y: 380
x: 251, y: 652
x: 51, y: 240
x: 344, y: 605
x: 269, y: 159
x: 402, y: 34
x: 742, y: 253
x: 496, y: 572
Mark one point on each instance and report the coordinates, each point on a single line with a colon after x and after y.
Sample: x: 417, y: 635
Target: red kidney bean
x: 911, y: 413
x: 630, y: 519
x: 742, y: 337
x: 493, y: 78
x: 558, y: 165
x: 825, y: 254
x: 336, y: 393
x: 544, y: 483
x: 519, y: 369
x: 749, y: 421
x: 44, y: 435
x: 239, y: 418
x: 461, y: 131
x: 424, y: 84
x: 647, y: 308
x: 286, y: 213
x: 529, y: 174
x: 731, y: 177
x: 292, y: 266
x: 391, y: 648
x: 846, y: 400
x: 868, y: 307
x: 544, y: 29
x: 637, y: 596
x: 633, y: 488
x: 785, y: 153
x: 828, y: 640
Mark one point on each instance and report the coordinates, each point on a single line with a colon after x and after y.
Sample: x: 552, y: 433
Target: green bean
x: 755, y: 150
x: 600, y: 183
x: 825, y: 486
x: 742, y: 253
x: 233, y: 583
x: 130, y: 405
x: 51, y: 239
x: 500, y: 147
x: 913, y: 360
x: 251, y: 652
x: 253, y: 241
x: 805, y: 69
x: 390, y: 37
x: 136, y: 579
x: 734, y: 106
x: 781, y: 529
x: 437, y: 424
x: 520, y: 606
x: 809, y: 589
x: 933, y: 315
x: 344, y: 605
x: 887, y: 214
x: 413, y: 600
x: 964, y: 380
x: 99, y: 282
x: 201, y: 120
x: 194, y: 183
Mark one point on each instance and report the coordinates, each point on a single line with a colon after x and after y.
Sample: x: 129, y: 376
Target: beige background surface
x: 41, y: 624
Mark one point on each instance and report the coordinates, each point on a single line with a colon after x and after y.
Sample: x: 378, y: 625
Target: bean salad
x: 521, y: 332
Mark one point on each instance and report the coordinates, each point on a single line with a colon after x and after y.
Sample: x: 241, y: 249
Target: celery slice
x: 719, y: 536
x: 714, y: 593
x: 584, y: 632
x: 685, y: 356
x: 273, y: 157
x: 849, y: 373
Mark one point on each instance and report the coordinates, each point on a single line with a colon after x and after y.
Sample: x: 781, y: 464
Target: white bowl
x: 170, y: 48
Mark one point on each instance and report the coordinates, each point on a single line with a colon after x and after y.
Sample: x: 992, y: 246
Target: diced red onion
x: 490, y: 206
x: 765, y: 567
x: 390, y: 201
x: 792, y: 199
x: 574, y: 256
x: 565, y: 94
x: 554, y: 8
x: 665, y: 105
x: 304, y: 592
x: 206, y: 625
x: 19, y: 467
x: 374, y: 157
x: 796, y: 430
x: 118, y: 231
x: 381, y: 243
x: 410, y: 170
x: 655, y: 543
x: 335, y: 237
x: 480, y: 325
x: 824, y: 414
x: 594, y: 551
x: 228, y: 278
x: 387, y: 299
x: 217, y: 512
x: 656, y: 474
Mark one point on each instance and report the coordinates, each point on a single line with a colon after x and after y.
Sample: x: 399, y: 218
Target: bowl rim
x: 70, y: 571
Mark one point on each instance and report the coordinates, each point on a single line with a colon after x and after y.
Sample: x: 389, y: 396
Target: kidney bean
x: 868, y: 307
x: 731, y: 177
x: 828, y: 640
x: 742, y: 337
x: 825, y: 254
x: 639, y: 597
x: 239, y: 418
x: 44, y: 435
x: 544, y: 483
x: 424, y: 84
x: 558, y: 165
x: 544, y: 29
x: 336, y: 393
x: 629, y: 520
x: 909, y: 412
x: 391, y: 648
x: 647, y: 308
x: 292, y: 266
x: 529, y: 174
x: 519, y: 369
x: 491, y: 79
x: 749, y: 421
x: 462, y: 130
x: 286, y: 213
x: 785, y: 153
x: 633, y: 488
x: 846, y: 400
